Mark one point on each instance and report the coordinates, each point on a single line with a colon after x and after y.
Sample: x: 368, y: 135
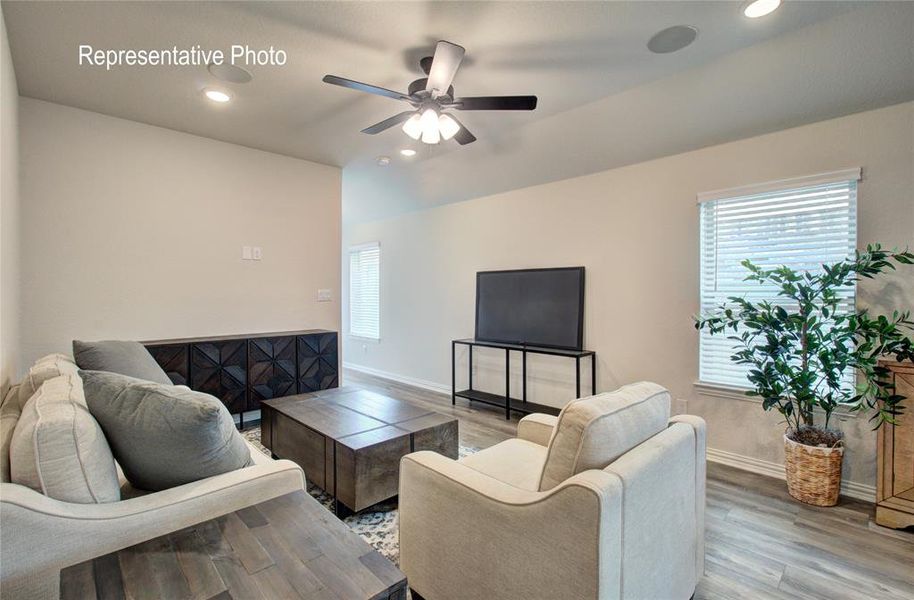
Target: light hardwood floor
x: 760, y: 543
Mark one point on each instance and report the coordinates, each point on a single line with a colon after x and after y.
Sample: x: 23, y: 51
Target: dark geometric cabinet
x: 271, y: 369
x: 220, y: 369
x: 174, y: 360
x: 243, y: 370
x: 317, y: 362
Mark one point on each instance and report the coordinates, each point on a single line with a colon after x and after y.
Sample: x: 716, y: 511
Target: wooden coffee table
x: 349, y: 441
x: 287, y: 547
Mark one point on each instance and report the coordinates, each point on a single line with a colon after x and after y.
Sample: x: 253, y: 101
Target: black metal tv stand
x: 506, y: 401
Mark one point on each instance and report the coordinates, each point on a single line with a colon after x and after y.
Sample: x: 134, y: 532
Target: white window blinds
x: 810, y: 222
x: 365, y: 290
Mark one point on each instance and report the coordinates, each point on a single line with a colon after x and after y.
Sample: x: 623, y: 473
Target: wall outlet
x: 258, y: 253
x: 246, y: 253
x: 324, y: 295
x: 364, y: 348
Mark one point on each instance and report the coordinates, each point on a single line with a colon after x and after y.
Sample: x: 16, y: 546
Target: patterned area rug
x: 377, y: 524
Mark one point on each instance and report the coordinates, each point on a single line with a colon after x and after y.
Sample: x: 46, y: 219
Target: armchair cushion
x: 537, y: 428
x: 593, y: 432
x: 515, y: 462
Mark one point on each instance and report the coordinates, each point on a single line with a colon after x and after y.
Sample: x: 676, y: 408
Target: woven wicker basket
x: 813, y: 473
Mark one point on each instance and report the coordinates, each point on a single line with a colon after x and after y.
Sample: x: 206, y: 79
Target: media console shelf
x: 506, y: 401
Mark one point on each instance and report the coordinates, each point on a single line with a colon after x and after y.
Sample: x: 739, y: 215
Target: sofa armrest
x: 494, y: 532
x: 537, y: 428
x: 40, y: 533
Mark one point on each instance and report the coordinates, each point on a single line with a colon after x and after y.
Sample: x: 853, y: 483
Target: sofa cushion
x: 162, y: 435
x: 516, y: 462
x: 9, y: 415
x: 47, y: 367
x: 127, y: 358
x: 59, y: 450
x: 593, y: 432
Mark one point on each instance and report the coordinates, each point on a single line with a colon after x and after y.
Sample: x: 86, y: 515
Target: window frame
x: 362, y: 335
x: 852, y: 175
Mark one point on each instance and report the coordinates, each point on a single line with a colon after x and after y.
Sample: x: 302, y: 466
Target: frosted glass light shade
x: 412, y: 127
x: 429, y: 123
x: 447, y: 126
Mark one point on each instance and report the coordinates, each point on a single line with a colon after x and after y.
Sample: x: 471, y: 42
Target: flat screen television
x: 536, y: 307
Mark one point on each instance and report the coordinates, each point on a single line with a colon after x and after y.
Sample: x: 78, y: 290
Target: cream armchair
x: 605, y: 501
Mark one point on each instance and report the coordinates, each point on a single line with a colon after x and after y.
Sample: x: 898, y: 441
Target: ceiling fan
x: 431, y: 96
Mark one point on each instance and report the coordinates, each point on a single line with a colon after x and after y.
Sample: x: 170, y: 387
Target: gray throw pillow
x: 163, y: 435
x: 126, y: 358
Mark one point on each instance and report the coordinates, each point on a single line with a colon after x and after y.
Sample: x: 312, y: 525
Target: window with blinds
x: 365, y: 290
x: 800, y: 223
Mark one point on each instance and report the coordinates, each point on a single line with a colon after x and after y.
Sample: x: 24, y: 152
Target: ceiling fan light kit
x: 431, y: 96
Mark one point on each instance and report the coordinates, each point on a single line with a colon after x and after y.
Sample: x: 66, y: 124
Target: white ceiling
x: 604, y: 99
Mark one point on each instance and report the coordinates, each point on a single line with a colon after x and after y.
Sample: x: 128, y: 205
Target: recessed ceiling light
x: 672, y: 39
x: 229, y: 73
x: 760, y: 8
x: 217, y: 95
x: 383, y: 161
x: 408, y: 152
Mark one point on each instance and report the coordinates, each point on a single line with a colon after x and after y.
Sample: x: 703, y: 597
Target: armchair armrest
x: 537, y: 428
x: 40, y: 533
x: 464, y: 534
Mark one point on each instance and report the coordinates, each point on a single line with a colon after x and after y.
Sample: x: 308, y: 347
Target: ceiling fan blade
x: 388, y: 123
x: 444, y: 66
x: 463, y: 135
x: 495, y: 103
x: 364, y: 87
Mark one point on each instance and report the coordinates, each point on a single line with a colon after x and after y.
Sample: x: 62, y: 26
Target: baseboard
x: 850, y: 489
x: 419, y: 383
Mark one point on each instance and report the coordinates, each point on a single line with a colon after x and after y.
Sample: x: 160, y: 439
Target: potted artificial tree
x: 799, y: 348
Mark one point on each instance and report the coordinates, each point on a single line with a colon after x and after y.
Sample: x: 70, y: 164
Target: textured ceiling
x: 605, y: 100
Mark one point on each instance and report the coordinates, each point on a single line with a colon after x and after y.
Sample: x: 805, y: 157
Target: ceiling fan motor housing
x: 417, y: 89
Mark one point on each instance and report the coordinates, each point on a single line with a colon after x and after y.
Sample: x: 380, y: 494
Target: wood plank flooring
x: 760, y: 543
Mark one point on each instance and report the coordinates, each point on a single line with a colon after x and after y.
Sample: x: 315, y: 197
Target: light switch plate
x: 245, y: 253
x: 324, y: 295
x: 258, y: 253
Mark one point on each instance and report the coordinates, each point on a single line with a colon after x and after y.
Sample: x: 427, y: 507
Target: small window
x: 800, y: 223
x: 365, y: 290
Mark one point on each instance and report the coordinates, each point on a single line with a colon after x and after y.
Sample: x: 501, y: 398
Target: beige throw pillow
x: 59, y: 449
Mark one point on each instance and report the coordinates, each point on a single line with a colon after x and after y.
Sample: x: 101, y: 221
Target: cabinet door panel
x: 271, y: 369
x: 220, y: 369
x: 317, y: 362
x: 174, y: 360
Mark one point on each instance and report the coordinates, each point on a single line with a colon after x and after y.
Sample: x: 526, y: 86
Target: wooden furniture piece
x: 506, y: 401
x: 895, y: 456
x: 349, y: 441
x: 287, y: 547
x: 244, y: 370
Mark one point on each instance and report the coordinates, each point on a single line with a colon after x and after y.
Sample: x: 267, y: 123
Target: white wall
x: 9, y: 217
x: 635, y: 229
x: 135, y: 232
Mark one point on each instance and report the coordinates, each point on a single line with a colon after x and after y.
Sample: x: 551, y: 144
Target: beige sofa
x: 40, y: 535
x: 605, y: 501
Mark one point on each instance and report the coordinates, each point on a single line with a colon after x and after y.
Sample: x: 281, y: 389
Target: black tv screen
x: 537, y: 307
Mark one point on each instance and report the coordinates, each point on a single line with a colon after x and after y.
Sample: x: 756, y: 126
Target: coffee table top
x: 287, y: 547
x: 355, y: 417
